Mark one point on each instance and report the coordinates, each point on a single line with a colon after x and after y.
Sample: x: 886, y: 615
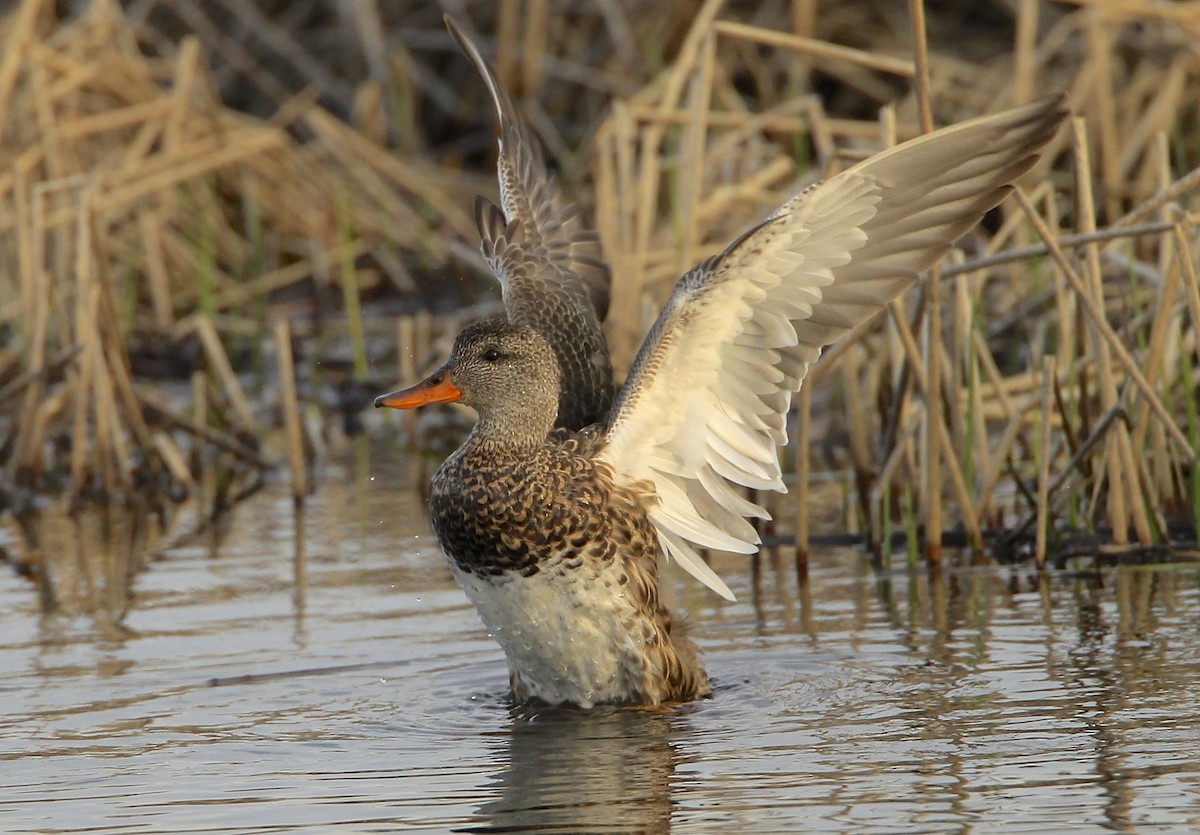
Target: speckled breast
x: 495, y: 513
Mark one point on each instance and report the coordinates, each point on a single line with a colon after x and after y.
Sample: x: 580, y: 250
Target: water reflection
x: 83, y: 562
x: 359, y: 689
x: 599, y: 771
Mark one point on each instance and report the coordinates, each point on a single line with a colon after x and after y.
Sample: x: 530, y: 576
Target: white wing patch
x: 718, y: 384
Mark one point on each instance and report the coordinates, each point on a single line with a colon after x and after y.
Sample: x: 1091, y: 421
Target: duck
x: 556, y: 533
x: 552, y: 275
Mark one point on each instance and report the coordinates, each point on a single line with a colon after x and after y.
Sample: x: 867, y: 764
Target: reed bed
x: 1037, y: 396
x: 142, y: 220
x: 1041, y: 387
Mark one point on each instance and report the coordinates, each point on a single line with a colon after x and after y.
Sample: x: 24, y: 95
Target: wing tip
x: 693, y: 563
x: 500, y: 97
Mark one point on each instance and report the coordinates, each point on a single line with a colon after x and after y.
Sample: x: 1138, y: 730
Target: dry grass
x: 1045, y: 381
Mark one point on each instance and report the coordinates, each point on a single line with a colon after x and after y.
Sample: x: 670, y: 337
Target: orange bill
x: 436, y: 388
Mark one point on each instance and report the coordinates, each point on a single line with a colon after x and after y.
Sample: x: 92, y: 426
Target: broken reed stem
x: 350, y: 296
x: 937, y: 437
x: 406, y: 352
x: 934, y: 418
x: 1096, y: 316
x: 1000, y: 458
x: 198, y: 425
x: 1124, y: 493
x: 815, y: 48
x: 1025, y: 51
x: 291, y: 410
x: 1184, y: 253
x: 916, y: 17
x: 933, y: 421
x: 694, y: 145
x: 1183, y: 185
x: 1155, y: 349
x: 977, y: 441
x: 1076, y: 463
x: 856, y: 426
x: 218, y: 361
x: 83, y: 380
x: 155, y: 264
x: 1043, y: 498
x: 172, y: 458
x: 1024, y: 253
x: 881, y: 490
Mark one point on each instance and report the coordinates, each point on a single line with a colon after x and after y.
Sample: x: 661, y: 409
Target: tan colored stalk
x: 815, y: 48
x: 291, y: 410
x: 218, y: 361
x: 803, y: 440
x: 1043, y: 497
x: 1124, y: 494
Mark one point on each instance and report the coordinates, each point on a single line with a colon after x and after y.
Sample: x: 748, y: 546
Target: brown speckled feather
x: 550, y: 268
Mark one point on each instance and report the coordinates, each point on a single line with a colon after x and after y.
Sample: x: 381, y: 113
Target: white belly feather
x: 571, y: 635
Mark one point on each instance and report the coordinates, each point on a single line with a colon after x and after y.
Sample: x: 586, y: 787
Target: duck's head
x: 507, y: 373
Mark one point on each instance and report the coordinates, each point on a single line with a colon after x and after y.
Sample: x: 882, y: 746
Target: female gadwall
x: 555, y: 535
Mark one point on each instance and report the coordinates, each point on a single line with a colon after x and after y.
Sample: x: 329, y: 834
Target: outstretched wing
x: 549, y: 266
x: 529, y: 196
x: 706, y: 403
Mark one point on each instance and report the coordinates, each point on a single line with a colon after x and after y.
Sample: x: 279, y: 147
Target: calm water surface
x: 326, y: 673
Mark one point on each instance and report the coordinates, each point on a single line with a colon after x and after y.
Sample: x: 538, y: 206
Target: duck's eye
x: 491, y: 355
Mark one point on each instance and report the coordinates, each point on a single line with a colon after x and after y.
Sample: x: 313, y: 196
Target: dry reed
x: 136, y: 208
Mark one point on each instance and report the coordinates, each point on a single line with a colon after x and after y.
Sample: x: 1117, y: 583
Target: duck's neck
x: 516, y: 432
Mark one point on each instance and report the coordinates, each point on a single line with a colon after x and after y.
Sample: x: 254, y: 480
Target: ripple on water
x: 356, y: 689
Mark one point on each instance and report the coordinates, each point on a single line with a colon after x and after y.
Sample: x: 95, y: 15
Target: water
x: 243, y: 684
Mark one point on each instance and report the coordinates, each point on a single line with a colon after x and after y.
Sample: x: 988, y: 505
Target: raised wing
x: 706, y: 403
x: 550, y: 268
